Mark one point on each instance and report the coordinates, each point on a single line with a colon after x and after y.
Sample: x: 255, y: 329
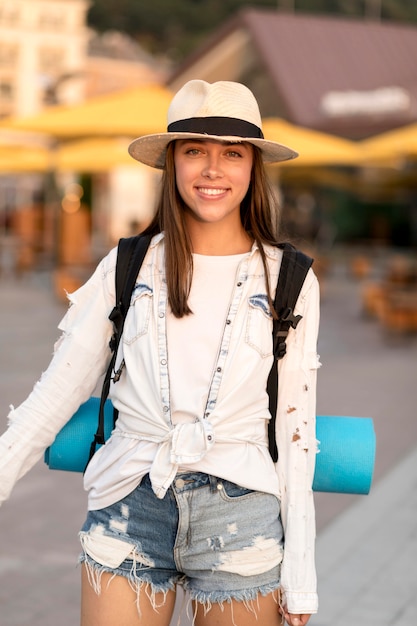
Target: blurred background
x: 335, y: 80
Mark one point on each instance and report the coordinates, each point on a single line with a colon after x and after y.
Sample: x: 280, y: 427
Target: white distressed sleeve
x: 80, y: 358
x: 297, y: 447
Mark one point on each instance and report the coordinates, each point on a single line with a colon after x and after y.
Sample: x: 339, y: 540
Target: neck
x: 219, y: 242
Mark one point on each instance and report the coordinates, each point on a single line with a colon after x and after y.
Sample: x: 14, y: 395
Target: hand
x: 294, y: 619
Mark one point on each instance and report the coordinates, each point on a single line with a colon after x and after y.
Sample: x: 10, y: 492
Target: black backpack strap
x: 294, y: 267
x: 131, y: 252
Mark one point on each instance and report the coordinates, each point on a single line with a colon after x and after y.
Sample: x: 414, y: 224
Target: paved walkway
x: 366, y: 558
x: 367, y: 546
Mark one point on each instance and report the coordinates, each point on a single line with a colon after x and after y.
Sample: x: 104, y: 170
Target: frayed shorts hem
x: 96, y: 570
x: 222, y: 597
x: 206, y: 599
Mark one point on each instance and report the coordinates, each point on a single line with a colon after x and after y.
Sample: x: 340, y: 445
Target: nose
x: 212, y: 166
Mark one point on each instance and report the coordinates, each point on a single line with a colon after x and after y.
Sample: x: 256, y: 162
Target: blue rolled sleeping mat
x: 344, y: 463
x: 346, y: 458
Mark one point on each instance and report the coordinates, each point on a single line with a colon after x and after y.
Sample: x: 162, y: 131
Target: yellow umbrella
x: 23, y: 159
x: 133, y: 112
x: 401, y: 142
x: 314, y: 147
x: 96, y: 154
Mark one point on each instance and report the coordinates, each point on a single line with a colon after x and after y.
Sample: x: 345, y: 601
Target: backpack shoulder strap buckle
x: 287, y: 315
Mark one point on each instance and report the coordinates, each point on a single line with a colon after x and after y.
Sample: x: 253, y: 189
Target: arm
x: 80, y: 358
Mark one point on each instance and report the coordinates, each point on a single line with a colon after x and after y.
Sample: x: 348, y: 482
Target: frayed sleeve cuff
x: 304, y: 603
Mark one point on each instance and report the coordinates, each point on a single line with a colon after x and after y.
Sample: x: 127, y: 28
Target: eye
x: 192, y: 148
x: 237, y: 151
x: 235, y: 154
x: 192, y: 151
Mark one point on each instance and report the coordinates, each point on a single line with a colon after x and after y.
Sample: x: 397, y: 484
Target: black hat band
x: 222, y: 126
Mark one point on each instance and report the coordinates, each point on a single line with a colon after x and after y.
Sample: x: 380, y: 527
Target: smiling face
x: 213, y: 178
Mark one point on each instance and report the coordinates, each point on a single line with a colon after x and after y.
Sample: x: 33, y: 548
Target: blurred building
x: 48, y: 55
x: 347, y: 76
x: 115, y: 62
x: 43, y: 47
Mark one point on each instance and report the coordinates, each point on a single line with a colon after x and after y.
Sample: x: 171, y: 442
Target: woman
x: 185, y: 491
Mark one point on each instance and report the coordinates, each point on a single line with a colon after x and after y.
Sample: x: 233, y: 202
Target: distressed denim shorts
x: 219, y: 540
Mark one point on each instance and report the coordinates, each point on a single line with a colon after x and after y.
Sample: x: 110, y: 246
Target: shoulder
x: 275, y: 254
x: 107, y: 265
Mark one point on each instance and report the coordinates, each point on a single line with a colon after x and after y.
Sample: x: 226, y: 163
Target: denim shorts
x: 220, y: 541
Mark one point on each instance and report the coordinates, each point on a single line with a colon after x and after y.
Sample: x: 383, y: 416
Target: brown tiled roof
x: 306, y: 57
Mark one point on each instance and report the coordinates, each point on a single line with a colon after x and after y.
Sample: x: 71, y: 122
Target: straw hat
x: 224, y: 111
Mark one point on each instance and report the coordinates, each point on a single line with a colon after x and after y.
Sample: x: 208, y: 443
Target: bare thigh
x: 116, y: 605
x: 263, y: 610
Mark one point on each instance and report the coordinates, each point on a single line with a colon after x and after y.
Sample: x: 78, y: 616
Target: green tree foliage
x: 175, y: 27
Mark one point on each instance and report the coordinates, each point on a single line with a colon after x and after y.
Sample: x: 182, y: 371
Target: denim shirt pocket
x: 137, y: 319
x: 259, y: 325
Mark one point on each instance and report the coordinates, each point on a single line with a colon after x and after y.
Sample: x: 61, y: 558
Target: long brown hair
x: 259, y: 215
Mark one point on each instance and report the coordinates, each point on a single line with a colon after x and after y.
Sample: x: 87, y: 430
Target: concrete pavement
x: 367, y: 546
x: 366, y: 558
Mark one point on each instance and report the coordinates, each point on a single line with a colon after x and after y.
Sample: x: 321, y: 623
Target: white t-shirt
x: 194, y: 340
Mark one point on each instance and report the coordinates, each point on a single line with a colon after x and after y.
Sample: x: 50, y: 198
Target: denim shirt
x: 228, y: 440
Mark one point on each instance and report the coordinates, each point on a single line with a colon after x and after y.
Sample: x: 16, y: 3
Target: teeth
x: 211, y: 192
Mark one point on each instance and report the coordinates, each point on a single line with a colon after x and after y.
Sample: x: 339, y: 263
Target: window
x: 51, y: 20
x: 6, y: 90
x: 9, y: 14
x: 51, y: 60
x: 8, y: 55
